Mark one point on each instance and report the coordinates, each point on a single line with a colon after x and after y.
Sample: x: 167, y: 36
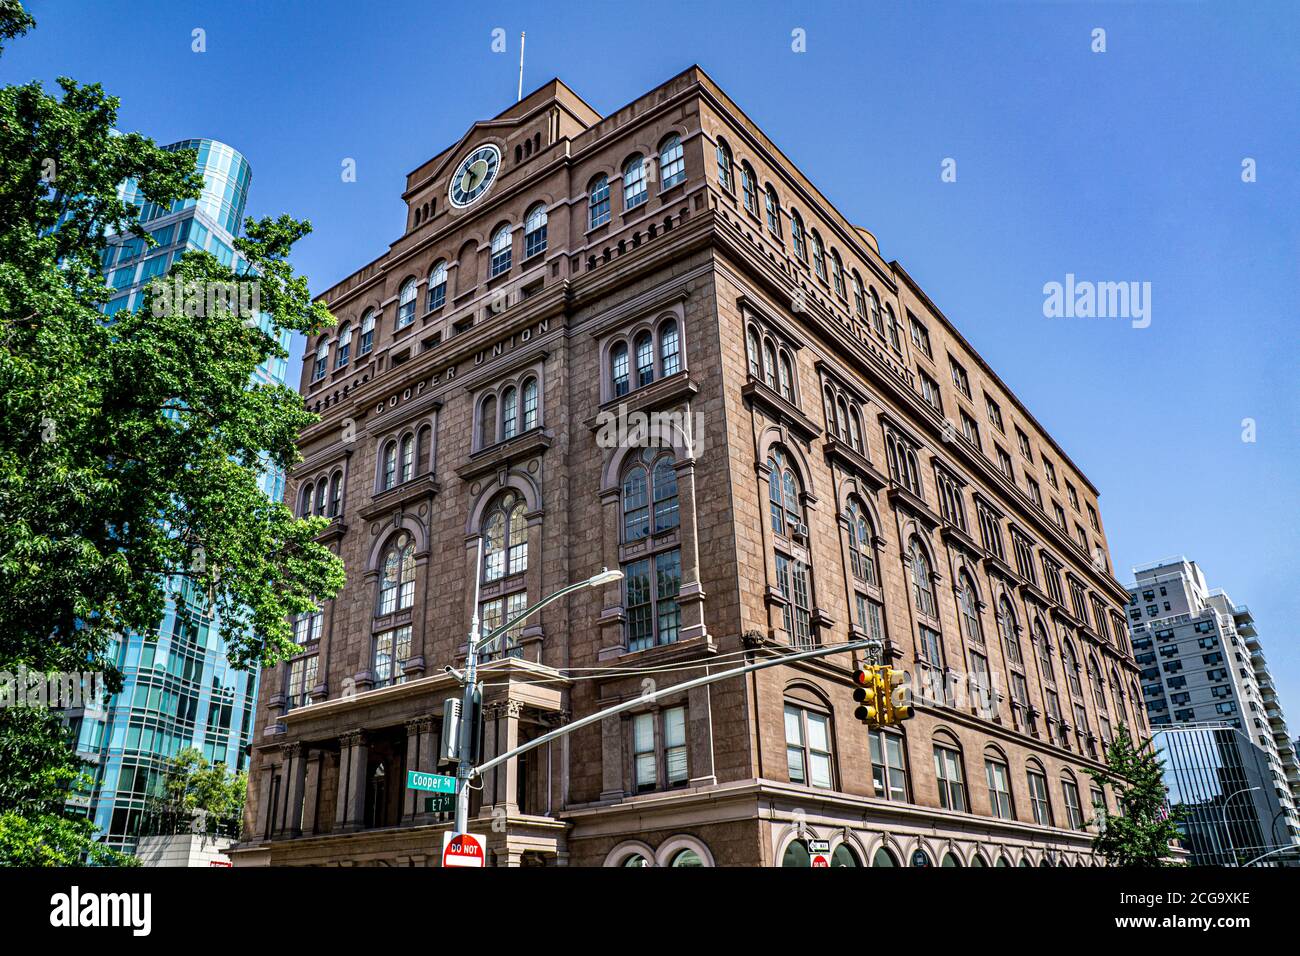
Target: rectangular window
x: 871, y: 617
x: 1035, y: 493
x: 1023, y: 441
x: 1004, y: 463
x: 652, y: 613
x: 1050, y: 471
x: 392, y: 650
x: 920, y: 334
x: 675, y: 745
x: 888, y: 771
x: 1038, y: 799
x: 999, y: 789
x: 959, y: 377
x: 792, y: 579
x: 808, y: 746
x: 302, y: 678
x: 947, y: 771
x: 995, y: 413
x: 496, y: 613
x: 930, y: 392
x: 643, y: 752
x: 1072, y: 809
x: 970, y: 430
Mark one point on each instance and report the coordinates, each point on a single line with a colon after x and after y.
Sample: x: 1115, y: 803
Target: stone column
x: 508, y: 735
x: 418, y: 732
x: 265, y: 811
x: 350, y: 811
x: 491, y: 723
x: 699, y: 736
x: 611, y: 758
x: 295, y: 782
x: 690, y: 597
x: 311, y: 800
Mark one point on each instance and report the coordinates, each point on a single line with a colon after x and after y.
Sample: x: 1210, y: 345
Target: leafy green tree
x: 1140, y: 836
x: 131, y: 447
x: 198, y: 794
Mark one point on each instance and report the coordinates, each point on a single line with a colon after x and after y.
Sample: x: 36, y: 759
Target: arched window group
x: 843, y: 418
x: 643, y: 357
x: 405, y: 457
x: 652, y: 580
x: 903, y: 467
x: 770, y: 362
x: 509, y: 411
x: 322, y: 496
x: 505, y: 538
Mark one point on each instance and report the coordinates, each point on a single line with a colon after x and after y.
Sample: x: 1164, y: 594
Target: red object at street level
x: 463, y: 849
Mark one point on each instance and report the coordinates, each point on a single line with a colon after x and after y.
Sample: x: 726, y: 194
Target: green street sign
x: 433, y: 782
x: 440, y: 803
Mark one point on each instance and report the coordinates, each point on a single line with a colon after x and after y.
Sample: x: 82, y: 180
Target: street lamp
x: 1228, y: 830
x: 465, y: 768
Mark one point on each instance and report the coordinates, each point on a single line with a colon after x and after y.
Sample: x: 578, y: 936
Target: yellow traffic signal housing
x: 895, y: 711
x: 870, y: 692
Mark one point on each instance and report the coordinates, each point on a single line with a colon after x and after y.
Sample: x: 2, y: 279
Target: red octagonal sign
x: 463, y: 849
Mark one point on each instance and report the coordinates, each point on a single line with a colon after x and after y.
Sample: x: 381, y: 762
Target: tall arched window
x: 1117, y: 693
x: 408, y: 458
x: 344, y: 350
x: 501, y: 244
x: 773, y: 212
x: 724, y: 165
x: 487, y: 422
x: 749, y: 187
x: 876, y: 320
x: 505, y: 538
x: 752, y: 350
x: 530, y: 404
x: 672, y: 162
x: 645, y: 359
x: 670, y: 358
x: 922, y: 586
x: 819, y: 255
x: 598, y: 202
x: 322, y: 360
x: 304, y: 500
x: 895, y: 337
x: 367, y: 334
x: 859, y: 297
x: 651, y: 582
x: 862, y: 547
x: 769, y: 364
x: 837, y: 272
x: 787, y: 377
x: 1007, y: 630
x: 1070, y: 664
x: 509, y: 412
x: 968, y: 602
x: 322, y: 496
x: 793, y: 576
x: 855, y: 430
x: 397, y: 578
x: 634, y: 188
x: 437, y: 293
x: 406, y: 304
x: 796, y: 235
x: 619, y: 374
x: 783, y: 494
x: 422, y: 448
x: 390, y: 465
x: 535, y: 231
x: 336, y: 494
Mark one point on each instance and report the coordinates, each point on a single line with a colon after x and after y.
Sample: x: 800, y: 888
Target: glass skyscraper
x: 179, y: 690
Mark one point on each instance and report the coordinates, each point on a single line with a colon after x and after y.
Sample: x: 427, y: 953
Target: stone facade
x: 835, y: 416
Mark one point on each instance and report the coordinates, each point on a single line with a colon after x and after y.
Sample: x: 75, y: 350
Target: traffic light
x: 895, y: 710
x: 867, y: 692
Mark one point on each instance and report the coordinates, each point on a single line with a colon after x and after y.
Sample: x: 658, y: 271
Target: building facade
x: 179, y: 689
x: 1202, y: 662
x: 831, y: 460
x: 1221, y: 783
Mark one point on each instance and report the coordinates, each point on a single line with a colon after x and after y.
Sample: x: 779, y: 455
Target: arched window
x: 749, y: 187
x: 619, y: 375
x: 884, y: 858
x: 785, y: 508
x: 408, y: 458
x: 304, y: 501
x: 322, y: 360
x: 837, y: 272
x: 598, y: 202
x: 752, y: 351
x: 397, y: 577
x: 650, y: 484
x: 645, y: 359
x: 672, y: 162
x: 724, y: 165
x: 535, y: 231
x: 769, y: 364
x: 652, y: 580
x: 500, y: 261
x: 406, y: 304
x: 876, y: 319
x: 390, y: 465
x: 670, y: 358
x: 336, y: 494
x: 1070, y: 664
x: 859, y: 297
x: 367, y: 334
x: 819, y: 255
x: 322, y: 496
x: 773, y: 212
x: 796, y: 235
x: 855, y: 429
x: 509, y: 412
x: 422, y: 449
x: 634, y: 189
x: 968, y: 602
x: 1039, y: 801
x: 787, y: 377
x: 793, y: 576
x: 1007, y: 631
x: 487, y: 422
x: 841, y: 417
x: 505, y: 538
x: 437, y: 293
x: 1117, y: 693
x: 922, y: 586
x: 862, y: 546
x: 343, y: 352
x: 686, y: 858
x: 530, y: 404
x: 895, y: 337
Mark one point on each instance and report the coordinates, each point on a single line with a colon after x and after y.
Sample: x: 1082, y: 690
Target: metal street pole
x: 674, y: 689
x: 1232, y: 850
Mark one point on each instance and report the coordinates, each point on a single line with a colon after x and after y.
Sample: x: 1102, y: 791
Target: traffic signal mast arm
x: 674, y: 689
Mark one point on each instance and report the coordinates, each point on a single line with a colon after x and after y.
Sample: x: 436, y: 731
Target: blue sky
x: 1117, y: 166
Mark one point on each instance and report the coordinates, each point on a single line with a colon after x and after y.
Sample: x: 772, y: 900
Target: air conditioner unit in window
x: 799, y: 530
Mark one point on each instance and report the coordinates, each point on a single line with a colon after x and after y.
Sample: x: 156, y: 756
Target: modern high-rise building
x: 1202, y: 663
x: 835, y: 462
x: 179, y: 689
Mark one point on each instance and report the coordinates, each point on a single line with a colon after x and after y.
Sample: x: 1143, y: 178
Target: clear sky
x: 1117, y: 166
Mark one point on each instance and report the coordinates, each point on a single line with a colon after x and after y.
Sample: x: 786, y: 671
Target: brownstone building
x: 841, y: 465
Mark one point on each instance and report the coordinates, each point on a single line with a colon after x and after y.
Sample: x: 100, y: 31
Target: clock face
x: 474, y: 176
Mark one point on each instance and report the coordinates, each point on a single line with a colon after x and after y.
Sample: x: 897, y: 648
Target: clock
x: 474, y: 176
